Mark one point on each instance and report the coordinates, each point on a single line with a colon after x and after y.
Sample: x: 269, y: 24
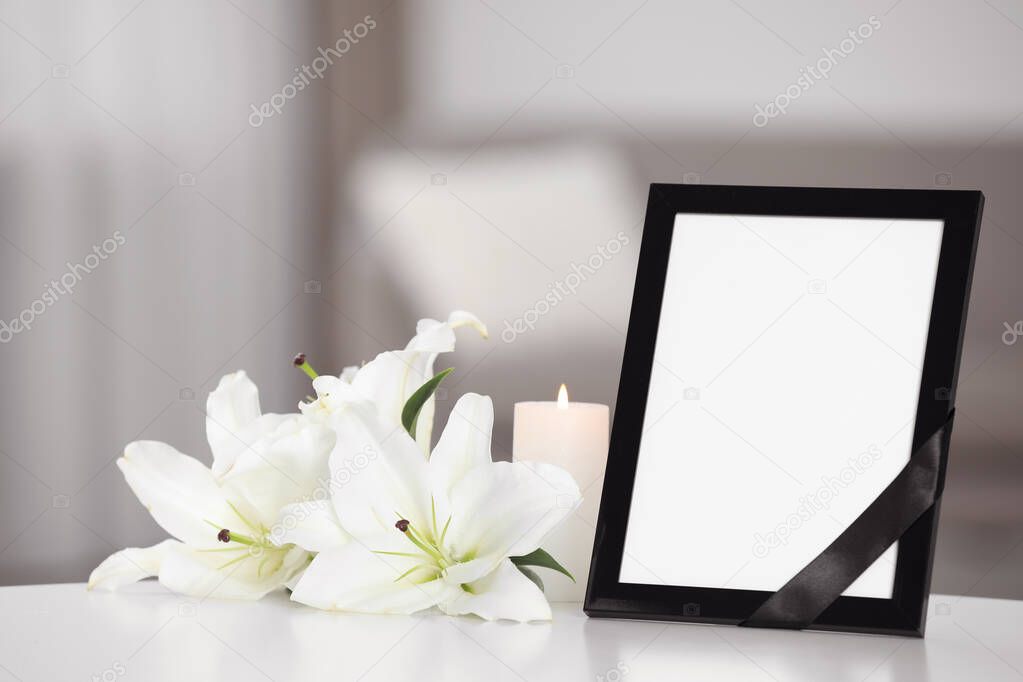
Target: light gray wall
x: 465, y: 154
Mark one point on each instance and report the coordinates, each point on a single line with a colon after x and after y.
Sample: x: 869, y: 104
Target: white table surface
x: 63, y: 632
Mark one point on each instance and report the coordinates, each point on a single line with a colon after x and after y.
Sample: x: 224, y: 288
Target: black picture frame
x: 903, y: 614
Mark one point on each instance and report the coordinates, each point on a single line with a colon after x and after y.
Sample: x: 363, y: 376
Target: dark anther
x: 299, y: 360
x: 224, y: 535
x: 402, y: 525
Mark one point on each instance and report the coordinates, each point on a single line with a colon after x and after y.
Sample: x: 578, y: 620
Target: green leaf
x: 414, y: 405
x: 531, y: 574
x: 541, y: 558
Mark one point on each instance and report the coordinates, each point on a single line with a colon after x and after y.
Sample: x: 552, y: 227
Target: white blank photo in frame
x: 782, y: 398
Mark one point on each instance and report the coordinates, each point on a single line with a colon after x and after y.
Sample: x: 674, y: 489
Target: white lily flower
x: 223, y: 518
x: 426, y: 533
x: 393, y: 376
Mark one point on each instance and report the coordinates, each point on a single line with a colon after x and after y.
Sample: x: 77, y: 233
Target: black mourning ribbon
x: 917, y: 487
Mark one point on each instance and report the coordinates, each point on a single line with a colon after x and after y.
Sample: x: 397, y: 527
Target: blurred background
x: 453, y: 154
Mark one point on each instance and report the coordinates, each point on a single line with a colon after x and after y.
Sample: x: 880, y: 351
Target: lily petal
x: 392, y: 377
x: 464, y: 445
x: 354, y: 578
x: 311, y: 525
x: 502, y: 594
x: 439, y: 337
x: 285, y: 465
x: 232, y: 406
x: 377, y: 474
x: 332, y: 395
x: 129, y: 566
x: 507, y: 509
x: 207, y: 574
x: 180, y: 493
x: 465, y: 441
x: 243, y: 439
x: 469, y: 571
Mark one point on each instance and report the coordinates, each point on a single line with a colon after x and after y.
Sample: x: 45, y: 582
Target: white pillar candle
x: 573, y: 436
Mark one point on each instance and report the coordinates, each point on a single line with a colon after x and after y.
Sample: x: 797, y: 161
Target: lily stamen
x: 261, y: 546
x: 300, y: 362
x: 224, y: 535
x: 432, y: 549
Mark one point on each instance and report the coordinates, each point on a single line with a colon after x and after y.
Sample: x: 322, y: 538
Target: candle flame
x: 563, y: 398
